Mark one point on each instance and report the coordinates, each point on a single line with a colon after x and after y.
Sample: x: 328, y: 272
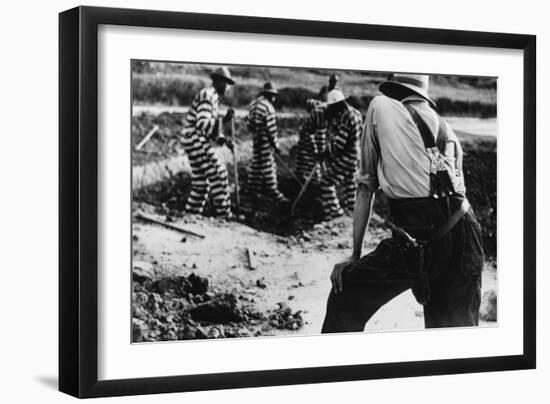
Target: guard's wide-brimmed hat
x: 335, y: 96
x: 418, y: 83
x: 223, y: 72
x: 269, y: 88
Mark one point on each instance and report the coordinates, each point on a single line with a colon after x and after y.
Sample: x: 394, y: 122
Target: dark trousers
x: 453, y: 266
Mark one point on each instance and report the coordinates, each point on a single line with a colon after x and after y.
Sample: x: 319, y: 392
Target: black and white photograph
x: 274, y: 201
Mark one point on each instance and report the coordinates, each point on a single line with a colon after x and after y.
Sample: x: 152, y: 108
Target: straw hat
x: 334, y: 97
x: 223, y: 72
x: 269, y: 88
x: 418, y: 83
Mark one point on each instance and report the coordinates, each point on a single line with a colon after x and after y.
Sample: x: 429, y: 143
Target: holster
x: 415, y: 256
x: 417, y: 239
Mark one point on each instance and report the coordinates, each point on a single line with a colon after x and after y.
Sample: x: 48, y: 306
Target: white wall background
x: 28, y: 202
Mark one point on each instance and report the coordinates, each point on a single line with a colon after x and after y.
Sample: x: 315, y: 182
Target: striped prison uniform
x: 208, y: 172
x: 312, y: 140
x: 342, y: 164
x: 262, y: 174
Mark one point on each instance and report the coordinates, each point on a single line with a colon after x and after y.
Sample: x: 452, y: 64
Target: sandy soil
x: 294, y: 269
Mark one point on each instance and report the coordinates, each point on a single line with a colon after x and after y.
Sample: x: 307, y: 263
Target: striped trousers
x: 208, y: 175
x: 262, y: 174
x: 305, y: 161
x: 305, y: 154
x: 339, y: 172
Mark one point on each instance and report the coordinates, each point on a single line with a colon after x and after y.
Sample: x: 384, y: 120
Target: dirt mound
x: 224, y: 308
x: 180, y: 285
x: 186, y: 307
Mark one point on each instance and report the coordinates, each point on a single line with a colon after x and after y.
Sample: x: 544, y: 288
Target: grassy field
x: 175, y: 84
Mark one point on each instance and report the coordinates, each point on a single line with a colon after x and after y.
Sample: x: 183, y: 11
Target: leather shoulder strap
x: 425, y: 132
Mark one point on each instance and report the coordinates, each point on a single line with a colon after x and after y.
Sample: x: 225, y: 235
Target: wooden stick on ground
x: 168, y: 225
x: 251, y: 259
x: 147, y: 137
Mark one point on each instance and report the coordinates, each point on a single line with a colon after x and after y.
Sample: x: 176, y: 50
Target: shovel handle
x: 304, y: 187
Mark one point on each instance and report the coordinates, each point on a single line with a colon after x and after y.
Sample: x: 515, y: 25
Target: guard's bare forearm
x: 361, y: 216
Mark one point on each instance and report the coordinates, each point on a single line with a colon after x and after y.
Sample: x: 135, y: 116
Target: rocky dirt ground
x: 186, y: 287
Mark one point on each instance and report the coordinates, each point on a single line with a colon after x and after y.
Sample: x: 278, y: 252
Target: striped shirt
x: 393, y: 155
x: 346, y: 134
x: 313, y: 132
x: 203, y: 112
x: 262, y: 121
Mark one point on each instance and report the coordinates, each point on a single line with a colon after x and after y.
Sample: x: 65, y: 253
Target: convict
x: 201, y: 128
x: 262, y: 124
x: 341, y: 158
x: 312, y: 139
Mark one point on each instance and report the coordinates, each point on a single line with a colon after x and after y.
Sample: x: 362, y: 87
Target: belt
x: 441, y: 231
x: 453, y: 220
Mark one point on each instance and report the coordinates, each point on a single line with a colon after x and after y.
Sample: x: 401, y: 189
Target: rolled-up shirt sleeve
x: 369, y: 152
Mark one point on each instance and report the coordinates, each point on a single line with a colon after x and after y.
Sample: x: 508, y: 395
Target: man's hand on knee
x: 337, y: 272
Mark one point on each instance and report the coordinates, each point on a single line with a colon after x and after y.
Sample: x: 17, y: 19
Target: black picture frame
x: 78, y: 201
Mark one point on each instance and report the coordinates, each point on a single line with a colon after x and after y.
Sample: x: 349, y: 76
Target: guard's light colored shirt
x: 392, y: 154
